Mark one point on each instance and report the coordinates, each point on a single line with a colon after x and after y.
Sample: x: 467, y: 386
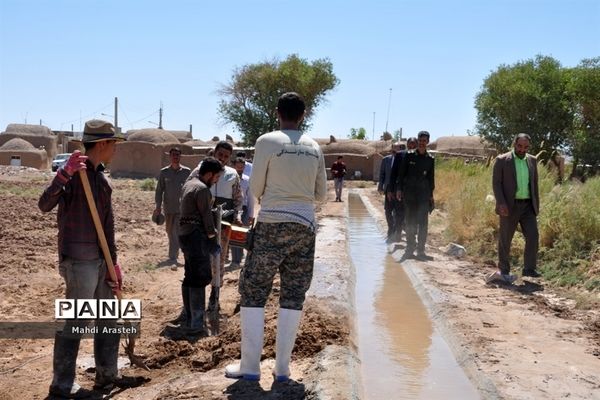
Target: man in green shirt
x: 515, y: 183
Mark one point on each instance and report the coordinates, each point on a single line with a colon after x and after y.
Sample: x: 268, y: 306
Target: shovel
x: 129, y: 339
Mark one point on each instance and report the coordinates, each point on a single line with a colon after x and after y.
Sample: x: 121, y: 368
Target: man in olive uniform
x: 168, y: 191
x: 414, y: 186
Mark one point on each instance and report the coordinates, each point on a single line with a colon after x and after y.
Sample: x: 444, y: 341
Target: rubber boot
x: 253, y: 332
x: 106, y: 353
x: 287, y: 327
x: 64, y: 363
x: 185, y: 314
x: 197, y: 299
x: 213, y: 302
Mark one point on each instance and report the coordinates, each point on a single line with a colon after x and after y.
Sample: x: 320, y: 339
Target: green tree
x: 584, y: 91
x: 360, y: 133
x: 250, y: 99
x: 529, y: 96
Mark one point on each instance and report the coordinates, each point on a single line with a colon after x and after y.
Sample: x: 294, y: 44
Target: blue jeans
x: 338, y: 183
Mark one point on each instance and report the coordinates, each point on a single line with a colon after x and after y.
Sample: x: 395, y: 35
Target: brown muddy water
x: 402, y: 356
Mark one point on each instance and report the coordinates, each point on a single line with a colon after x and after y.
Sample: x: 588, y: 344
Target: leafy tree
x: 360, y: 133
x: 250, y: 99
x: 584, y: 91
x: 526, y: 97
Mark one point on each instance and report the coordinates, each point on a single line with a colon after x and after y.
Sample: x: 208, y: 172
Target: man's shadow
x: 527, y: 287
x: 250, y: 390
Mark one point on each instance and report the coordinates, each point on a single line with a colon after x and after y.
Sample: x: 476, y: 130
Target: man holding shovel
x: 227, y: 193
x: 199, y: 240
x: 81, y: 261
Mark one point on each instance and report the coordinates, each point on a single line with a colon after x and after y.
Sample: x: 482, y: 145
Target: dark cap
x: 97, y: 130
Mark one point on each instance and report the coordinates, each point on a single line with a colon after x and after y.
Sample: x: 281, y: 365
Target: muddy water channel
x: 402, y: 355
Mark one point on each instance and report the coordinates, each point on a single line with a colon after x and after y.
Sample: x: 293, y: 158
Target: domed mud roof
x: 17, y: 144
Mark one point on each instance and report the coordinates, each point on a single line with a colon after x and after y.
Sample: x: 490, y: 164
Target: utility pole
x: 388, y: 112
x: 373, y: 137
x: 160, y: 116
x: 116, y: 114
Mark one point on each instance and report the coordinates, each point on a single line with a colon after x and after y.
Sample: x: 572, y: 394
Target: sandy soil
x: 515, y: 342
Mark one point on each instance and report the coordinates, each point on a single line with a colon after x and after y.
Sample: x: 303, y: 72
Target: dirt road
x: 519, y: 342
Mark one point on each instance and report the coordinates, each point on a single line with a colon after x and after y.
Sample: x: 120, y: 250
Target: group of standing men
x: 407, y: 180
x: 288, y: 176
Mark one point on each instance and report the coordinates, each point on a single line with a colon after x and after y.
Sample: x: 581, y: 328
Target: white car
x: 60, y: 160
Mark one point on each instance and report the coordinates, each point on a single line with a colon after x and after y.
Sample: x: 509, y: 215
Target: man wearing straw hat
x: 81, y: 262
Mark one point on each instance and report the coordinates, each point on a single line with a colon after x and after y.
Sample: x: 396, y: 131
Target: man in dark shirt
x: 338, y: 170
x: 198, y: 238
x: 390, y: 190
x: 81, y: 262
x: 414, y: 186
x: 389, y: 202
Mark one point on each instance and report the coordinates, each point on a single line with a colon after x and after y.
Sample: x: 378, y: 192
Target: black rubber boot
x: 185, y: 314
x: 197, y: 302
x: 64, y: 363
x: 106, y: 353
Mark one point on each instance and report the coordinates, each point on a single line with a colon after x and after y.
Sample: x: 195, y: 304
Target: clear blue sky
x: 62, y: 60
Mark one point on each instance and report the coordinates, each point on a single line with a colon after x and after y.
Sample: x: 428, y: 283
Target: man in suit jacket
x: 515, y: 183
x: 389, y: 204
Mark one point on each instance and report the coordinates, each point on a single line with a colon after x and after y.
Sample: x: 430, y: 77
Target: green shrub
x: 148, y: 184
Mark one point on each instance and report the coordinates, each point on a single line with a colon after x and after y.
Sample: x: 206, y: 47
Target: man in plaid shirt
x: 81, y: 262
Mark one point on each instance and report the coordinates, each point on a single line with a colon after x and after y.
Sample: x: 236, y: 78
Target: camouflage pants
x: 287, y: 248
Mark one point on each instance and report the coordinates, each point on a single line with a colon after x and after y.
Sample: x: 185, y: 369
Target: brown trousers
x: 522, y: 214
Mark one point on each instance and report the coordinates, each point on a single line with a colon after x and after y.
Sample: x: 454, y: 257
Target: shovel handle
x: 99, y: 230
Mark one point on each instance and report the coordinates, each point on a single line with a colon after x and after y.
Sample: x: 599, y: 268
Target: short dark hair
x: 411, y: 140
x: 224, y: 145
x: 423, y: 133
x: 291, y: 106
x: 521, y: 136
x: 339, y: 157
x: 239, y: 160
x: 175, y: 149
x: 240, y: 154
x: 210, y: 164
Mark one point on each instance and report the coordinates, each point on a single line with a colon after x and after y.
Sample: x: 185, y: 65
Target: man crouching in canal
x: 288, y: 176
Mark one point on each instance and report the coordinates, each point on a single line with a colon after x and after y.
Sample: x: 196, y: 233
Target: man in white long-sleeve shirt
x: 247, y: 208
x: 227, y: 193
x: 288, y: 176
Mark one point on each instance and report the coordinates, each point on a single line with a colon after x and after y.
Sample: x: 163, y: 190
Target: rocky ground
x: 522, y: 341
